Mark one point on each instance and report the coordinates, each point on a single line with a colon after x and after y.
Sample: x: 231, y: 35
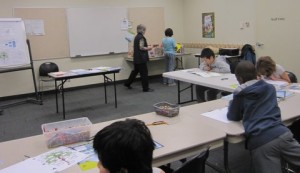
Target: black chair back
x: 48, y: 67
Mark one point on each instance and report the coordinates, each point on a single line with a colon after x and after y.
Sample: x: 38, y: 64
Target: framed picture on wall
x: 208, y: 25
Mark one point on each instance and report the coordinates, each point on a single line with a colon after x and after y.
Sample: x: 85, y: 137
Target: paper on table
x: 157, y: 145
x: 80, y: 71
x: 59, y: 73
x: 188, y: 70
x: 283, y: 94
x: 218, y: 114
x: 91, y: 161
x: 207, y: 74
x: 28, y: 165
x: 295, y: 91
x: 277, y: 84
x: 234, y: 86
x: 295, y: 87
x: 53, y: 161
x: 114, y: 68
x: 102, y: 68
x: 228, y: 97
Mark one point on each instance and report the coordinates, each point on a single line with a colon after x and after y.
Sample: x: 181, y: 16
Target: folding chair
x: 44, y: 69
x: 194, y: 165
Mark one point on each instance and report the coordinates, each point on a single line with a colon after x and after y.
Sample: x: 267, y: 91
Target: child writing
x: 268, y: 69
x: 125, y: 147
x: 255, y: 103
x: 169, y: 45
x: 213, y: 64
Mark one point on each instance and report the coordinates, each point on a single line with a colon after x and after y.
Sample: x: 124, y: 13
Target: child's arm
x: 221, y: 67
x: 174, y: 44
x: 204, y: 66
x: 282, y: 78
x: 235, y: 112
x: 285, y: 77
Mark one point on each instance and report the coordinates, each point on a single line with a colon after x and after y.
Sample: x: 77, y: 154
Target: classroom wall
x: 185, y: 17
x: 15, y: 83
x: 278, y: 29
x: 281, y: 38
x: 228, y: 17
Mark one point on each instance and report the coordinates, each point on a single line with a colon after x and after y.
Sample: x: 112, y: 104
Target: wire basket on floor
x: 166, y: 109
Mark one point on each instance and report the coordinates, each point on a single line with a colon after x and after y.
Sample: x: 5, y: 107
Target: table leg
x: 181, y: 90
x: 105, y: 81
x: 115, y: 89
x: 178, y: 91
x: 56, y: 92
x: 192, y: 92
x: 179, y: 64
x: 63, y: 99
x: 226, y: 164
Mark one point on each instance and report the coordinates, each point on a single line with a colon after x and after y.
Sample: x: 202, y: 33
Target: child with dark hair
x: 268, y: 69
x: 125, y: 147
x: 255, y: 103
x: 213, y: 64
x: 169, y: 45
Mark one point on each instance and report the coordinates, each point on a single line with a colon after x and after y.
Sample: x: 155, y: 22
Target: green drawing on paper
x: 57, y: 157
x: 3, y: 55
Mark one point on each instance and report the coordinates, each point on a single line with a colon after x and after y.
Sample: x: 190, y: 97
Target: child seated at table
x: 268, y: 69
x: 255, y: 103
x: 213, y: 64
x: 125, y: 147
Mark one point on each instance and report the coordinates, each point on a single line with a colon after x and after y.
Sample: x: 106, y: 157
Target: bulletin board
x: 54, y: 44
x: 154, y: 20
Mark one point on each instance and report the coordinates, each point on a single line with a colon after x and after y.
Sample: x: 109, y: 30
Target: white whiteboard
x: 13, y: 47
x: 96, y: 31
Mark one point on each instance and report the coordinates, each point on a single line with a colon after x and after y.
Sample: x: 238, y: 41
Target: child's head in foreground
x: 245, y: 71
x: 265, y: 66
x: 124, y: 147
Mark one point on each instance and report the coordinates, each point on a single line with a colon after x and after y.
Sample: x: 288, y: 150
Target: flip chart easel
x: 15, y: 54
x: 35, y: 100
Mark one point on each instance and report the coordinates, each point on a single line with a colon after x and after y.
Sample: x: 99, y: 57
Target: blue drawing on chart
x: 11, y: 44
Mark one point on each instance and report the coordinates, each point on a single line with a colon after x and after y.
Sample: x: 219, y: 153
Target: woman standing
x: 140, y: 59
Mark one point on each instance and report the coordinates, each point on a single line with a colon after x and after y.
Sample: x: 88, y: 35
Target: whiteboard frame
x: 96, y: 31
